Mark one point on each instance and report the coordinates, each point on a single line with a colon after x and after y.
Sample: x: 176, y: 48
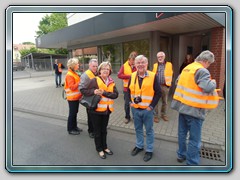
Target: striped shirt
x: 161, y: 68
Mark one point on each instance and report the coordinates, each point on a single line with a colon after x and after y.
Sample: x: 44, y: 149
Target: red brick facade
x: 85, y: 51
x: 217, y: 46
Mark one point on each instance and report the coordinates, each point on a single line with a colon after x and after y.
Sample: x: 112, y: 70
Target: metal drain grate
x: 210, y: 154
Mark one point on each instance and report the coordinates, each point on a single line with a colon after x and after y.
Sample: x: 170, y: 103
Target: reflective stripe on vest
x: 105, y: 102
x: 189, y: 93
x: 146, y: 92
x: 90, y: 74
x: 127, y: 71
x: 168, y: 72
x: 75, y: 94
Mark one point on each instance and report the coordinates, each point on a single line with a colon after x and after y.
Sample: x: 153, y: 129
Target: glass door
x: 112, y: 53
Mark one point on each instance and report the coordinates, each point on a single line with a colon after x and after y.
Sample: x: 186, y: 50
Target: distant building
x: 16, y: 51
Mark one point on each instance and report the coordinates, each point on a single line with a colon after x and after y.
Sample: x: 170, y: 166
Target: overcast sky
x: 25, y: 25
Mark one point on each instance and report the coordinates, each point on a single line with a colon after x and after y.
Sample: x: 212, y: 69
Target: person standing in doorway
x: 125, y: 73
x: 165, y: 73
x: 194, y: 94
x: 73, y: 95
x: 188, y: 60
x: 144, y: 93
x: 58, y: 72
x: 84, y: 84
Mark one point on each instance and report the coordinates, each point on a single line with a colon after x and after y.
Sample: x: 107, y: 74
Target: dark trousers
x: 72, y: 117
x: 89, y: 121
x: 126, y: 105
x: 58, y: 79
x: 100, y: 123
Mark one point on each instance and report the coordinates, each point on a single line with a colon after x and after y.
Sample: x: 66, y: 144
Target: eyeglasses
x: 138, y: 63
x: 105, y: 69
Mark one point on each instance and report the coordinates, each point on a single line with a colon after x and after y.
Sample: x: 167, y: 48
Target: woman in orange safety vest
x: 73, y: 95
x: 104, y: 86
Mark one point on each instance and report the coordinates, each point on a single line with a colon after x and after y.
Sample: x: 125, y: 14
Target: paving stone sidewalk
x: 46, y: 100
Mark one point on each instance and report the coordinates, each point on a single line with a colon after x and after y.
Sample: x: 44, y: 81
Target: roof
x: 113, y: 25
x: 45, y: 55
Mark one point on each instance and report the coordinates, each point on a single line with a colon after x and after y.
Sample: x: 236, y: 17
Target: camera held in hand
x: 137, y: 99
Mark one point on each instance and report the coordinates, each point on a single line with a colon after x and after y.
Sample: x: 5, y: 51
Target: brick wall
x: 217, y: 46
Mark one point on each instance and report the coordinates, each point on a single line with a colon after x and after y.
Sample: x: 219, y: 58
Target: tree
x: 25, y: 52
x: 53, y: 23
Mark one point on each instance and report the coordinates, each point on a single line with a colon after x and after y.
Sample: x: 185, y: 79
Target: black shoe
x: 79, y: 129
x: 108, y: 152
x: 126, y: 120
x: 74, y: 132
x: 56, y: 86
x: 181, y: 160
x: 147, y: 156
x: 102, y: 156
x: 135, y: 151
x: 91, y: 135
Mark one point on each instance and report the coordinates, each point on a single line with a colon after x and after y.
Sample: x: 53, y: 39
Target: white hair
x: 205, y: 56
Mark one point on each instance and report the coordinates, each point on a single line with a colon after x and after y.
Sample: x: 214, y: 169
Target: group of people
x: 195, y: 92
x: 94, y: 81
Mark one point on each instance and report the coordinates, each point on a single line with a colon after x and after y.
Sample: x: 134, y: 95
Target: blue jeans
x: 58, y: 79
x: 143, y: 117
x: 192, y: 125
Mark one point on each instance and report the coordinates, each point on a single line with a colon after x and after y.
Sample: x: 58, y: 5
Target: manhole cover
x: 210, y: 154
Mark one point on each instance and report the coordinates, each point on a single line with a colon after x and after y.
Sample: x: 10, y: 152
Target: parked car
x: 18, y: 68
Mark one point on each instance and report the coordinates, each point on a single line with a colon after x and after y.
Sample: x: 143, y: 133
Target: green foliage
x: 47, y: 51
x: 53, y: 23
x: 25, y: 52
x: 28, y: 43
x: 61, y: 51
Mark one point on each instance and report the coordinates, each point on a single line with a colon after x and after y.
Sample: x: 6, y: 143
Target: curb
x: 123, y: 130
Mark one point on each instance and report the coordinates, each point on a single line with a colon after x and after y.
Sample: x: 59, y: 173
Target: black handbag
x: 90, y: 102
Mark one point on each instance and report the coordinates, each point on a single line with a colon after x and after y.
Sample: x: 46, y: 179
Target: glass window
x: 141, y: 46
x: 112, y: 53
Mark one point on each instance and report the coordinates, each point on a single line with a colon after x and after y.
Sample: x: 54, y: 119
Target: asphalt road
x: 40, y: 141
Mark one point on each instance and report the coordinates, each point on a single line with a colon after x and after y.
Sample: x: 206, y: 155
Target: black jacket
x: 89, y: 91
x: 55, y: 67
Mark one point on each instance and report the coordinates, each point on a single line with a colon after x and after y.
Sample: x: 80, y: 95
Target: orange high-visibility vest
x: 59, y: 67
x: 189, y: 93
x: 90, y: 74
x: 168, y: 72
x: 127, y: 70
x: 146, y: 92
x: 72, y: 95
x: 105, y: 102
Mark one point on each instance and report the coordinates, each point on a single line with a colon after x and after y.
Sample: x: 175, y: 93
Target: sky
x: 25, y: 26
